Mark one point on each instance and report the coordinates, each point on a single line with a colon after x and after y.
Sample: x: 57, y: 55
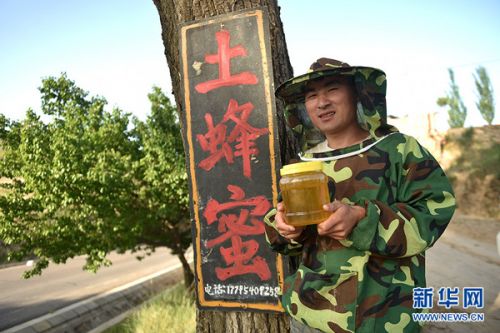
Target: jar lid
x: 301, y: 167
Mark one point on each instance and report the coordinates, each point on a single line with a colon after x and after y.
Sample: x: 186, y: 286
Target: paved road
x: 458, y: 261
x: 61, y: 285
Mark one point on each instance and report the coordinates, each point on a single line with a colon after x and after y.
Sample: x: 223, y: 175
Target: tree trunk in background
x: 172, y: 15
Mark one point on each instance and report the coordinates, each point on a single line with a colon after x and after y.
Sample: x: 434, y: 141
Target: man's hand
x: 284, y: 229
x: 342, y: 220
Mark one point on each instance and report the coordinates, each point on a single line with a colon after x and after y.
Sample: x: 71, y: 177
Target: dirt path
x: 467, y: 256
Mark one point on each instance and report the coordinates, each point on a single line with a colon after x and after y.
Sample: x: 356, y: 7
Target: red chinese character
x: 240, y: 257
x: 223, y: 58
x: 243, y: 134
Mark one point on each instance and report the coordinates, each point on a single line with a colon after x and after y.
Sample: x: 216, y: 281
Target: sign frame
x: 261, y: 18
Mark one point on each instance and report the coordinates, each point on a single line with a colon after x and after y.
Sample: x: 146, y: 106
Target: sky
x: 114, y: 48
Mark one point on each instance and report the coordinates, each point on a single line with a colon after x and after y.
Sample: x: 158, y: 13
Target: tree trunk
x: 240, y: 322
x: 172, y: 15
x: 188, y: 273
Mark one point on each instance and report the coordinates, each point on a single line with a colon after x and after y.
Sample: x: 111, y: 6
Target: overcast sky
x: 113, y: 48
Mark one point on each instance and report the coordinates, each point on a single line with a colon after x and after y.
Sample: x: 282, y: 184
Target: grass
x: 171, y: 311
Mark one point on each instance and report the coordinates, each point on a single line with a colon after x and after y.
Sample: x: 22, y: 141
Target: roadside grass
x: 171, y: 311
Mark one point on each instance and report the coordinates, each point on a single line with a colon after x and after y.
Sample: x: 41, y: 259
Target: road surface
x: 460, y: 261
x: 62, y: 285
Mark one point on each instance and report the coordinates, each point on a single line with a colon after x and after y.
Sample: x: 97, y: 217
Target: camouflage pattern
x: 365, y: 283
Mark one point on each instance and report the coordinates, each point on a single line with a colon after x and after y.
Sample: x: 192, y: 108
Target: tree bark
x: 240, y: 322
x: 188, y: 273
x: 172, y: 14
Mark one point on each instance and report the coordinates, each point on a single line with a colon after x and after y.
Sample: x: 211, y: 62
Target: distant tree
x: 9, y: 131
x: 10, y: 139
x: 485, y: 103
x: 4, y: 123
x: 79, y: 183
x: 164, y: 182
x: 457, y: 112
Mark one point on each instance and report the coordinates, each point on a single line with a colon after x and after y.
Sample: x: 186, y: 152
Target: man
x: 390, y: 201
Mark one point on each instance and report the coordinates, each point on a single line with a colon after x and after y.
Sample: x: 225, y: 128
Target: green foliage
x: 171, y: 311
x: 457, y: 112
x: 485, y: 103
x: 164, y: 184
x: 10, y: 132
x: 84, y: 182
x: 4, y: 124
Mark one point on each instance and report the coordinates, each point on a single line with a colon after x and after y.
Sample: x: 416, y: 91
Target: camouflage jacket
x: 365, y: 283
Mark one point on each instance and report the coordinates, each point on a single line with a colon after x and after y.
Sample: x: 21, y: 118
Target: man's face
x: 331, y: 105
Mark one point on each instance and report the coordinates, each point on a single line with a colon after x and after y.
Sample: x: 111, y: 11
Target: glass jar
x: 304, y: 189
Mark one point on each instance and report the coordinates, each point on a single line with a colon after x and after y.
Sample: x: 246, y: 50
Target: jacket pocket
x: 324, y: 301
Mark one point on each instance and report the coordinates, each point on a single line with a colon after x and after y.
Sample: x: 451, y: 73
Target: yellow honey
x: 304, y: 188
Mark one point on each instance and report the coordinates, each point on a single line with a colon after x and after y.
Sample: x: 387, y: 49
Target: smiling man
x: 390, y: 201
x: 331, y: 105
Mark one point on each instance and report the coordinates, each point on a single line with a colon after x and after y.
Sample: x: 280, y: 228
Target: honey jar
x: 304, y: 189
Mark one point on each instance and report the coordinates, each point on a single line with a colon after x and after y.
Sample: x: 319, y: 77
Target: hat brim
x: 294, y: 89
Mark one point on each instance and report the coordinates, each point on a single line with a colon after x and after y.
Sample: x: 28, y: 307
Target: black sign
x: 230, y: 131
